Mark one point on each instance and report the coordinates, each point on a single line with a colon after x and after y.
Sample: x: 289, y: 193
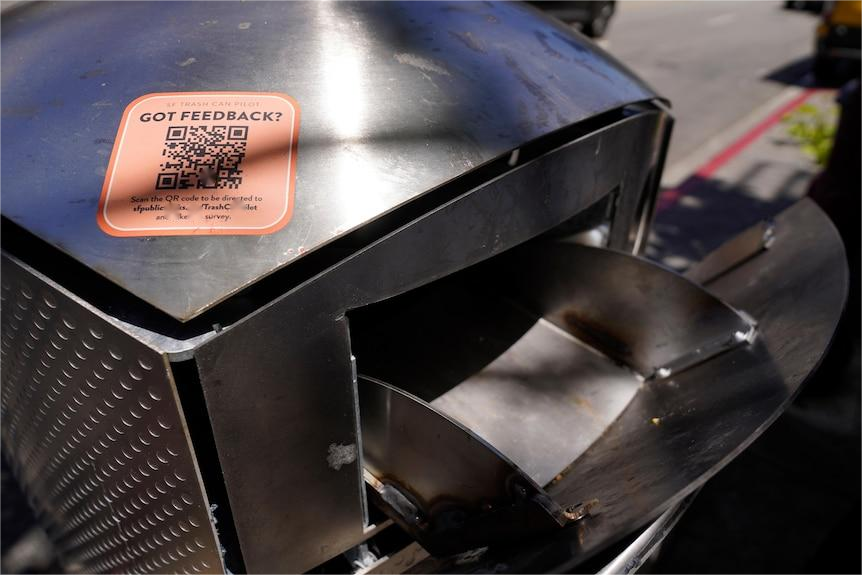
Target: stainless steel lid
x: 396, y: 99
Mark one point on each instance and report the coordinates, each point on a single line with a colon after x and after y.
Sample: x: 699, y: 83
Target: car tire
x: 598, y: 25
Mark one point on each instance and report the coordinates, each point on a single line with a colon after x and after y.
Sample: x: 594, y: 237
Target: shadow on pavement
x: 795, y: 73
x: 800, y: 72
x: 710, y: 211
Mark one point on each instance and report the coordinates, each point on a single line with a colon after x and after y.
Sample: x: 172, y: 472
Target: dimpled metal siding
x: 92, y: 428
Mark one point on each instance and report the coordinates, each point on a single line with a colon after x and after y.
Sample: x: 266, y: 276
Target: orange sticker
x: 202, y: 163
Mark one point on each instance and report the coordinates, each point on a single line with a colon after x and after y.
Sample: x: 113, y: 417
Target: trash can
x: 270, y: 270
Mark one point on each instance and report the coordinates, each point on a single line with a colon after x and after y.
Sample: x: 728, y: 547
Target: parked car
x: 593, y: 17
x: 839, y: 41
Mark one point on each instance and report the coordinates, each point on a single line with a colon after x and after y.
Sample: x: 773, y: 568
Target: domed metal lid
x: 396, y: 99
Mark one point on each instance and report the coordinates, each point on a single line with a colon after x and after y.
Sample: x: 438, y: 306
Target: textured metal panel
x: 396, y: 98
x: 92, y: 428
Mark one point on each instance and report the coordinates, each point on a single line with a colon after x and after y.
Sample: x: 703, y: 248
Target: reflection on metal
x: 632, y: 558
x: 94, y: 433
x: 579, y: 511
x: 732, y: 253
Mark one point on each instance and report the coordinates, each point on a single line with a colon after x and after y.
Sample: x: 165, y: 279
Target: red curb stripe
x: 670, y: 197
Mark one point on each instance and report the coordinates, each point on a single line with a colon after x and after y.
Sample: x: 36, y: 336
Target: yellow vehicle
x: 838, y: 39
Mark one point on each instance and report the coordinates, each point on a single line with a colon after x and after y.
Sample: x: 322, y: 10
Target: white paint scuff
x: 340, y: 455
x: 423, y: 64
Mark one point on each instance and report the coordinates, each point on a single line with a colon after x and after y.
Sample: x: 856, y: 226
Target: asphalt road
x: 715, y: 61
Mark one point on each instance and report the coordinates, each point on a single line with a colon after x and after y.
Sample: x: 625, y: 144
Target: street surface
x: 715, y: 61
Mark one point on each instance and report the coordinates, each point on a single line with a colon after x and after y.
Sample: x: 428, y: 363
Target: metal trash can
x: 224, y: 337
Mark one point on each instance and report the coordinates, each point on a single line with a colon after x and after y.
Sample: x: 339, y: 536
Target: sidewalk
x: 748, y: 174
x: 789, y: 503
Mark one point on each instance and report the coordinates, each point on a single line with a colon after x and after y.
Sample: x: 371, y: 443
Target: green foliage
x: 814, y: 129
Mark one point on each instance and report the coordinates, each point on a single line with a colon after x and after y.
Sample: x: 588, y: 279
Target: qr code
x: 202, y: 157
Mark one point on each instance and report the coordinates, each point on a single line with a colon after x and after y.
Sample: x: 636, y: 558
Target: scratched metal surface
x: 93, y: 432
x: 396, y: 98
